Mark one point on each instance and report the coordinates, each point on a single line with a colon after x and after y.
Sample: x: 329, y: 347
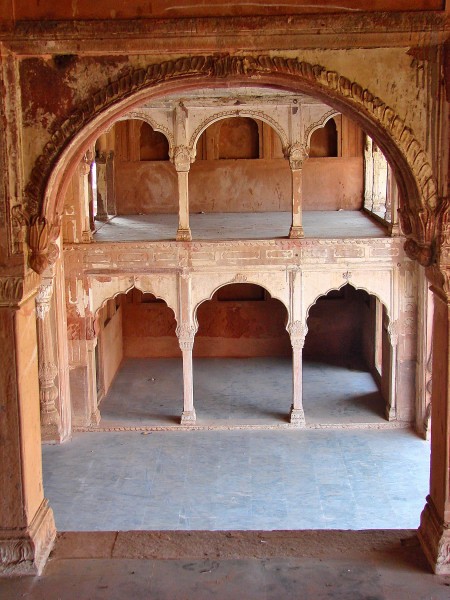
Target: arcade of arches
x: 202, y: 210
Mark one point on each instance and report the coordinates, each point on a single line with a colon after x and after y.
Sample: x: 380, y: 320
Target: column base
x: 394, y: 230
x: 25, y: 552
x: 184, y: 235
x: 434, y: 538
x: 188, y: 417
x: 297, y: 417
x: 391, y: 413
x: 296, y: 232
x: 95, y: 417
x: 51, y: 434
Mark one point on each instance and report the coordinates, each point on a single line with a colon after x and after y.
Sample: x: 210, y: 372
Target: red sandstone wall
x: 239, y: 185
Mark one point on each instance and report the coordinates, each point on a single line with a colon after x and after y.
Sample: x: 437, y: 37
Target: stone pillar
x: 297, y: 155
x: 48, y: 370
x: 392, y: 205
x: 27, y: 528
x: 391, y: 409
x: 182, y: 162
x: 186, y: 334
x: 297, y: 331
x: 368, y: 174
x: 434, y: 530
x: 102, y: 189
x: 111, y: 207
x: 379, y: 181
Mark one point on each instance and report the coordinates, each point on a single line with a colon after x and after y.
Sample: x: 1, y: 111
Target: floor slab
x: 244, y: 480
x: 240, y: 226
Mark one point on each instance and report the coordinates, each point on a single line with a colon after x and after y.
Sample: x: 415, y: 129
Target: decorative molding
x: 347, y: 275
x: 42, y: 236
x: 417, y: 219
x: 239, y: 112
x: 11, y: 290
x: 239, y: 278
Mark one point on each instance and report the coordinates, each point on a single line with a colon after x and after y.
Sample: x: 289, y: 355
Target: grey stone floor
x: 238, y: 479
x: 247, y: 565
x: 240, y: 391
x: 239, y: 226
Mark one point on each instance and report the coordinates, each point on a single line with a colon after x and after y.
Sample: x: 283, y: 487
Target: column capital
x: 186, y: 334
x: 43, y: 297
x: 297, y: 154
x: 394, y: 331
x: 182, y: 158
x: 297, y: 331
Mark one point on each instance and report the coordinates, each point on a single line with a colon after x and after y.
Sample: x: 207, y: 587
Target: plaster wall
x: 111, y: 348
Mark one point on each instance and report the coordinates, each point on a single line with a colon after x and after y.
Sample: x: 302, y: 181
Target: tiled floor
x: 240, y: 391
x: 239, y: 479
x: 241, y: 226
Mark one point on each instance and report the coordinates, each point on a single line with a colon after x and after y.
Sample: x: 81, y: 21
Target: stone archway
x: 46, y: 187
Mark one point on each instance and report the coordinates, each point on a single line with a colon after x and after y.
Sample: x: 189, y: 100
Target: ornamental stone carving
x: 297, y: 331
x: 186, y: 334
x: 182, y: 158
x: 394, y: 332
x: 11, y: 290
x: 298, y: 153
x: 43, y: 298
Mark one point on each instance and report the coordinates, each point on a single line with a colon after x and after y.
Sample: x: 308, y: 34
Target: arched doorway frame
x: 393, y: 334
x: 251, y: 279
x: 54, y: 167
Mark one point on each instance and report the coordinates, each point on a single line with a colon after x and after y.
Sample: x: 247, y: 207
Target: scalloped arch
x: 254, y: 114
x: 232, y: 282
x: 355, y: 287
x: 125, y: 291
x: 318, y: 124
x: 141, y: 116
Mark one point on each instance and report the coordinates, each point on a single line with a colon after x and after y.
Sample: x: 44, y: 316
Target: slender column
x: 48, y: 370
x: 297, y: 155
x: 27, y: 528
x: 182, y: 162
x: 434, y: 530
x: 111, y: 208
x: 391, y: 409
x: 186, y: 335
x: 368, y: 174
x: 394, y: 228
x: 297, y: 331
x: 379, y: 181
x: 102, y: 192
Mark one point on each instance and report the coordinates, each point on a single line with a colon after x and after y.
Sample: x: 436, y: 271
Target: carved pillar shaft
x: 297, y: 155
x: 297, y: 331
x: 182, y: 162
x: 48, y: 370
x: 111, y: 208
x: 102, y: 190
x: 185, y: 334
x: 391, y: 409
x: 434, y: 530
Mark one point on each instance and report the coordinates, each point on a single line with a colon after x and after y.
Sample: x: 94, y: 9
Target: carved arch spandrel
x: 318, y: 125
x: 223, y: 279
x: 142, y: 115
x: 103, y: 289
x: 337, y: 280
x: 396, y: 139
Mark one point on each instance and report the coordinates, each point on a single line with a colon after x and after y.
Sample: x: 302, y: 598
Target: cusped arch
x: 355, y: 287
x: 102, y: 294
x: 70, y: 138
x: 143, y: 116
x: 240, y: 112
x: 319, y: 124
x: 232, y: 282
